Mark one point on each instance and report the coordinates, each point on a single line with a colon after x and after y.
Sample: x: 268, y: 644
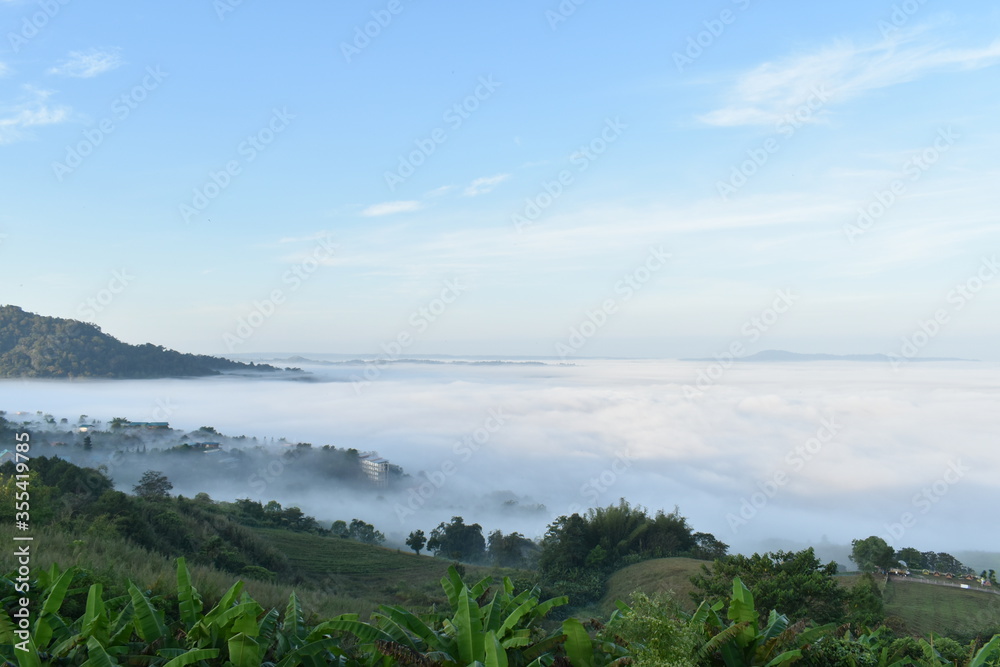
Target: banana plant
x: 481, y: 629
x: 744, y: 642
x: 988, y: 655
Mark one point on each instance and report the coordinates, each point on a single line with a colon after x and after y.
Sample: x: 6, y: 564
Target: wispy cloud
x: 309, y: 237
x: 391, y: 207
x: 481, y: 186
x: 843, y: 71
x: 87, y: 64
x: 4, y: 69
x: 33, y: 110
x: 437, y: 192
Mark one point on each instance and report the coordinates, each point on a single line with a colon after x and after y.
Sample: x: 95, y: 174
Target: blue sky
x: 218, y: 177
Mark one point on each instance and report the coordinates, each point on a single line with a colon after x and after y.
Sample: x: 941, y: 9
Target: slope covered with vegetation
x: 152, y: 583
x: 36, y: 346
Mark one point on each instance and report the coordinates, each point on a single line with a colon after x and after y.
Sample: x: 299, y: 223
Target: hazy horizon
x: 857, y: 442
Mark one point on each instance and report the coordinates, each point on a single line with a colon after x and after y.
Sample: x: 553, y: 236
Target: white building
x: 375, y: 468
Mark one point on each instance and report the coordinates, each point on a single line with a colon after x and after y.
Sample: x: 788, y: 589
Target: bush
x: 654, y: 634
x: 834, y: 652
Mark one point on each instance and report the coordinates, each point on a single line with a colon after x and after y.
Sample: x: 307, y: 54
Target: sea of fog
x: 763, y: 455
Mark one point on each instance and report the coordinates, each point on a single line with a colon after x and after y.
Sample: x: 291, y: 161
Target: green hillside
x: 918, y: 609
x: 50, y: 347
x: 654, y: 576
x: 924, y: 608
x: 350, y: 569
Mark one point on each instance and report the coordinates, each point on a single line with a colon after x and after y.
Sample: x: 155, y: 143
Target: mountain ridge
x: 39, y: 346
x: 784, y: 355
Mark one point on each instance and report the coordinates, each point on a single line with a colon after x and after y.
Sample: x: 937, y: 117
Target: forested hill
x: 50, y: 347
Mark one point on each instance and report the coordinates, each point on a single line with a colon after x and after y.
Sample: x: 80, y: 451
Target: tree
x: 416, y: 541
x: 872, y: 554
x: 949, y: 564
x: 796, y: 583
x: 87, y: 444
x: 707, y: 547
x: 118, y: 422
x: 458, y: 541
x: 513, y: 550
x: 364, y: 532
x: 865, y: 606
x: 912, y: 558
x: 153, y: 485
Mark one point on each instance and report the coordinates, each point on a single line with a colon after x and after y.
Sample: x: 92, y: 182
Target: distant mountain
x: 35, y: 346
x: 434, y: 362
x: 782, y: 355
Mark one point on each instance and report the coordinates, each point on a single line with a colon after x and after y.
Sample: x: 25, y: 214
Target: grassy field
x: 654, y: 576
x: 338, y: 576
x: 114, y: 562
x: 923, y: 608
x: 370, y: 575
x: 917, y: 608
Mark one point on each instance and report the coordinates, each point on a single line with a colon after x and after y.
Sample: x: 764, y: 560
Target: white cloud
x: 32, y: 111
x: 87, y: 64
x: 437, y: 192
x: 481, y: 186
x: 391, y: 207
x: 309, y: 237
x: 843, y: 71
x: 4, y: 69
x: 896, y: 434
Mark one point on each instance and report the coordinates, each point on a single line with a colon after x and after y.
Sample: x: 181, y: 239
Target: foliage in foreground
x: 493, y: 627
x: 484, y: 626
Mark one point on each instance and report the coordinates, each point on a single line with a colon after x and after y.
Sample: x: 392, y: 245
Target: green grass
x: 370, y: 575
x: 330, y: 575
x: 654, y: 576
x: 924, y: 608
x: 336, y: 576
x: 115, y: 561
x: 918, y: 608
